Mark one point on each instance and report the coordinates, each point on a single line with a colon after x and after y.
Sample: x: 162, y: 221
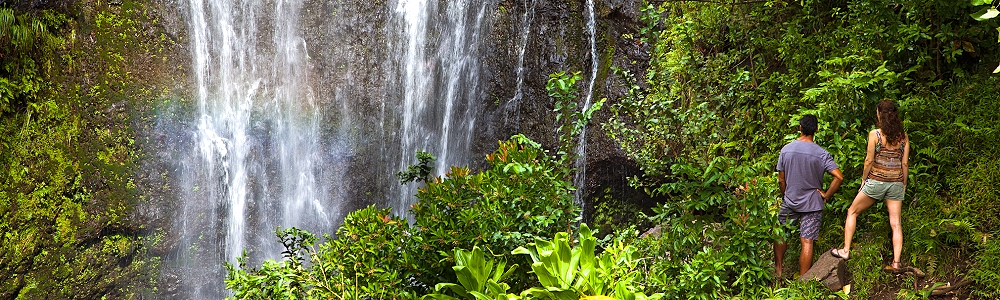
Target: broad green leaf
x: 992, y: 13
x: 978, y: 2
x: 438, y: 296
x: 985, y: 14
x: 466, y: 278
x: 480, y: 296
x: 441, y: 286
x: 997, y: 70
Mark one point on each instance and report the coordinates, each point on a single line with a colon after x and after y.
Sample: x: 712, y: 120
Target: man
x: 801, y: 166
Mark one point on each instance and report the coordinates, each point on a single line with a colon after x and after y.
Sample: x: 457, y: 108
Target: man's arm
x: 781, y: 183
x: 837, y: 179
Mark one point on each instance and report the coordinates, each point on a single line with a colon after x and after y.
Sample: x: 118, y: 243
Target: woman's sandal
x: 895, y: 270
x: 836, y: 253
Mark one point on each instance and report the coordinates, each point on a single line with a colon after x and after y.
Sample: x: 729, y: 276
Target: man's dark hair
x: 808, y: 125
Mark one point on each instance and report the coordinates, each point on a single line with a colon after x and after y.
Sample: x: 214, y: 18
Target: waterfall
x: 580, y: 179
x: 266, y: 145
x: 513, y: 104
x: 440, y: 80
x: 256, y: 159
x: 526, y: 20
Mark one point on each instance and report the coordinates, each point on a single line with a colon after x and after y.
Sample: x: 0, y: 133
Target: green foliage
x: 419, y: 172
x: 575, y: 272
x: 524, y: 194
x: 711, y: 236
x: 569, y: 121
x: 725, y: 88
x: 617, y: 213
x: 363, y: 262
x: 987, y: 271
x: 479, y: 278
x: 67, y: 183
x: 805, y: 290
x: 24, y: 40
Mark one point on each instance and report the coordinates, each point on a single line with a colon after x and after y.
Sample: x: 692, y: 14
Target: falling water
x: 512, y: 105
x: 526, y: 20
x: 256, y: 158
x: 253, y: 156
x: 441, y: 82
x: 580, y: 179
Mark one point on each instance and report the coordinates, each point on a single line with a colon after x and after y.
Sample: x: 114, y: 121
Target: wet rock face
x: 351, y: 67
x: 558, y: 41
x: 354, y: 71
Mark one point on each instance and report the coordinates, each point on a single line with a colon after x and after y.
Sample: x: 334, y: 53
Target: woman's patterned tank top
x: 888, y: 165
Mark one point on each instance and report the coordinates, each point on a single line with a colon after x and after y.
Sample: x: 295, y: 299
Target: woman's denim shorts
x: 883, y: 190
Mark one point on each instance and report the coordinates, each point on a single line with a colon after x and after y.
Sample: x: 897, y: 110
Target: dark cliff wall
x: 559, y: 41
x: 351, y: 49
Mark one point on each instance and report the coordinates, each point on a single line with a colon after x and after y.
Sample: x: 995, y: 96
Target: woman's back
x: 888, y: 163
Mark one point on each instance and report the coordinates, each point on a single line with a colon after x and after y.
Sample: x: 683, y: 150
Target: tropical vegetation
x: 704, y: 117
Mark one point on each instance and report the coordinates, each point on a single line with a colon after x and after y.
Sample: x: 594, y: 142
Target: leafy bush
x: 365, y: 261
x: 524, y: 194
x: 478, y: 277
x: 576, y: 272
x: 564, y: 271
x: 799, y: 290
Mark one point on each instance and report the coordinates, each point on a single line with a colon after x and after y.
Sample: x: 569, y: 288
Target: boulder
x: 829, y: 270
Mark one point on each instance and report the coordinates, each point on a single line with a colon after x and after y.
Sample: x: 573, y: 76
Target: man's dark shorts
x: 809, y: 222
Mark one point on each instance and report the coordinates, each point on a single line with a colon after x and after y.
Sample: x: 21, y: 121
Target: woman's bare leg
x: 895, y: 209
x: 860, y: 204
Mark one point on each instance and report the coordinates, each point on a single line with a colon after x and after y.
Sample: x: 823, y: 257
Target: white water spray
x: 256, y: 155
x: 526, y: 20
x: 441, y: 82
x: 580, y: 179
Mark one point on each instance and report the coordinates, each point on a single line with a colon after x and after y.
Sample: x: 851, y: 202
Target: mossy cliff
x: 74, y: 165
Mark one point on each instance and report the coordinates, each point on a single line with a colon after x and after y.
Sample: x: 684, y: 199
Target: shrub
x: 365, y: 261
x: 524, y: 194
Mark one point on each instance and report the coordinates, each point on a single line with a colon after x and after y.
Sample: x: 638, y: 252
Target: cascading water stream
x: 253, y: 156
x: 256, y: 156
x: 580, y: 179
x: 526, y: 20
x: 441, y: 82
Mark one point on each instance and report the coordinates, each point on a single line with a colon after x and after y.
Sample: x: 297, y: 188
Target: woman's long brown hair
x: 889, y: 122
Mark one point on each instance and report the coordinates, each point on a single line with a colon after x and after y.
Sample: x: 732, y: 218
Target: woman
x: 885, y: 175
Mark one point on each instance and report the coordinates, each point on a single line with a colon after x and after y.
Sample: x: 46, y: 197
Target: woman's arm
x: 906, y: 159
x: 870, y: 156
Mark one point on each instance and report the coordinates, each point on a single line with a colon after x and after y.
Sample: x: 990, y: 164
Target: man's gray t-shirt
x: 804, y: 164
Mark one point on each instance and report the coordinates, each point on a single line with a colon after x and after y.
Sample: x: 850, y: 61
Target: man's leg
x: 806, y: 258
x: 779, y: 257
x: 785, y: 215
x: 811, y: 224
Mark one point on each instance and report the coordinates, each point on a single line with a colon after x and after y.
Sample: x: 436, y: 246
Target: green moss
x: 67, y: 185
